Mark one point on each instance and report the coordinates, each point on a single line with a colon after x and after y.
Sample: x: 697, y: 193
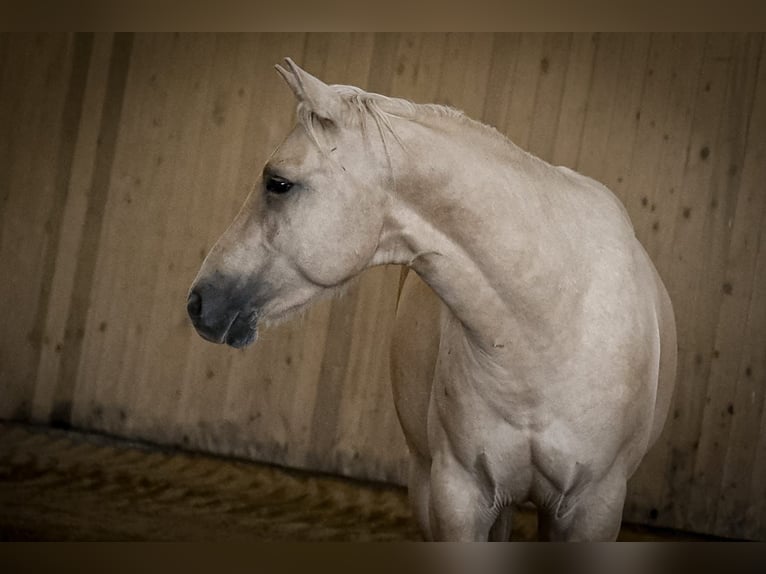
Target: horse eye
x: 276, y: 184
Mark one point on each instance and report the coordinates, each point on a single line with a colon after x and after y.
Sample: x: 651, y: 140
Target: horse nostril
x: 194, y: 304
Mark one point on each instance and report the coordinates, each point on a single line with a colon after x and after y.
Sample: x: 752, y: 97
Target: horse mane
x: 378, y: 104
x: 365, y: 106
x: 380, y: 109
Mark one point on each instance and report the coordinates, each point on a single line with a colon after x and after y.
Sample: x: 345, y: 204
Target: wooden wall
x: 122, y: 158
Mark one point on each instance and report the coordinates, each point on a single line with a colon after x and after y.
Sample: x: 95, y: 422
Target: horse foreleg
x: 460, y: 508
x: 501, y: 529
x: 419, y: 486
x: 596, y: 515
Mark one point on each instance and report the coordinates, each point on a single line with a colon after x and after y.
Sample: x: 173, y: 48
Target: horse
x: 534, y: 354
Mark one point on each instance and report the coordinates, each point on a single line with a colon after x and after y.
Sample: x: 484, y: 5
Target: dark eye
x: 276, y: 184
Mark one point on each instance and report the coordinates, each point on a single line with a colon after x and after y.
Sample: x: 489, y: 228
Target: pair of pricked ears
x: 318, y: 97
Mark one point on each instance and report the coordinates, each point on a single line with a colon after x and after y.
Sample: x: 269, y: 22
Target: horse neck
x: 466, y: 217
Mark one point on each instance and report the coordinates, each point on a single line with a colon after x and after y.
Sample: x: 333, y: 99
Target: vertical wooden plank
x: 740, y: 501
x: 67, y: 137
x: 592, y: 149
x: 756, y: 512
x: 10, y: 102
x: 366, y: 402
x: 722, y: 153
x: 687, y: 281
x: 450, y: 85
x: 744, y: 460
x: 753, y: 496
x: 663, y: 207
x: 418, y: 67
x: 464, y: 75
x: 645, y: 490
x: 85, y: 274
x: 5, y: 41
x: 521, y: 99
x: 626, y: 115
x: 644, y: 203
x: 70, y: 235
x: 108, y: 296
x: 574, y: 100
x: 206, y: 78
x: 735, y: 279
x: 505, y: 50
x: 550, y: 93
x: 36, y: 122
x: 659, y: 206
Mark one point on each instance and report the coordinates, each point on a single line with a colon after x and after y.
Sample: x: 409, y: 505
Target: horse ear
x: 320, y: 98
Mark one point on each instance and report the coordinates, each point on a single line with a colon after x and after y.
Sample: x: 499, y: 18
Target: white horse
x: 542, y: 368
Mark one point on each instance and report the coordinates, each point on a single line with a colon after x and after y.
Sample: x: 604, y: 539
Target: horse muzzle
x: 220, y: 315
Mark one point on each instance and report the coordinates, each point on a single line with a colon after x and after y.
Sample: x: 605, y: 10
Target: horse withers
x: 534, y: 356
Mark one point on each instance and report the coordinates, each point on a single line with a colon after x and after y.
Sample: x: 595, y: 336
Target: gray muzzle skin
x: 222, y: 311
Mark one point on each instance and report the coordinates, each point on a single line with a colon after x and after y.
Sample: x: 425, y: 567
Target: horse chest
x: 483, y: 395
x: 477, y: 418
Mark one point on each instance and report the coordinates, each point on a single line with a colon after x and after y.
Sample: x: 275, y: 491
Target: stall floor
x: 66, y: 485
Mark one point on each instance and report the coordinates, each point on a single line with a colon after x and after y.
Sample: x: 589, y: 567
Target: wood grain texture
x: 123, y: 157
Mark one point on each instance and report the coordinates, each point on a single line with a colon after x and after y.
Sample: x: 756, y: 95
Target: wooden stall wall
x: 122, y: 158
